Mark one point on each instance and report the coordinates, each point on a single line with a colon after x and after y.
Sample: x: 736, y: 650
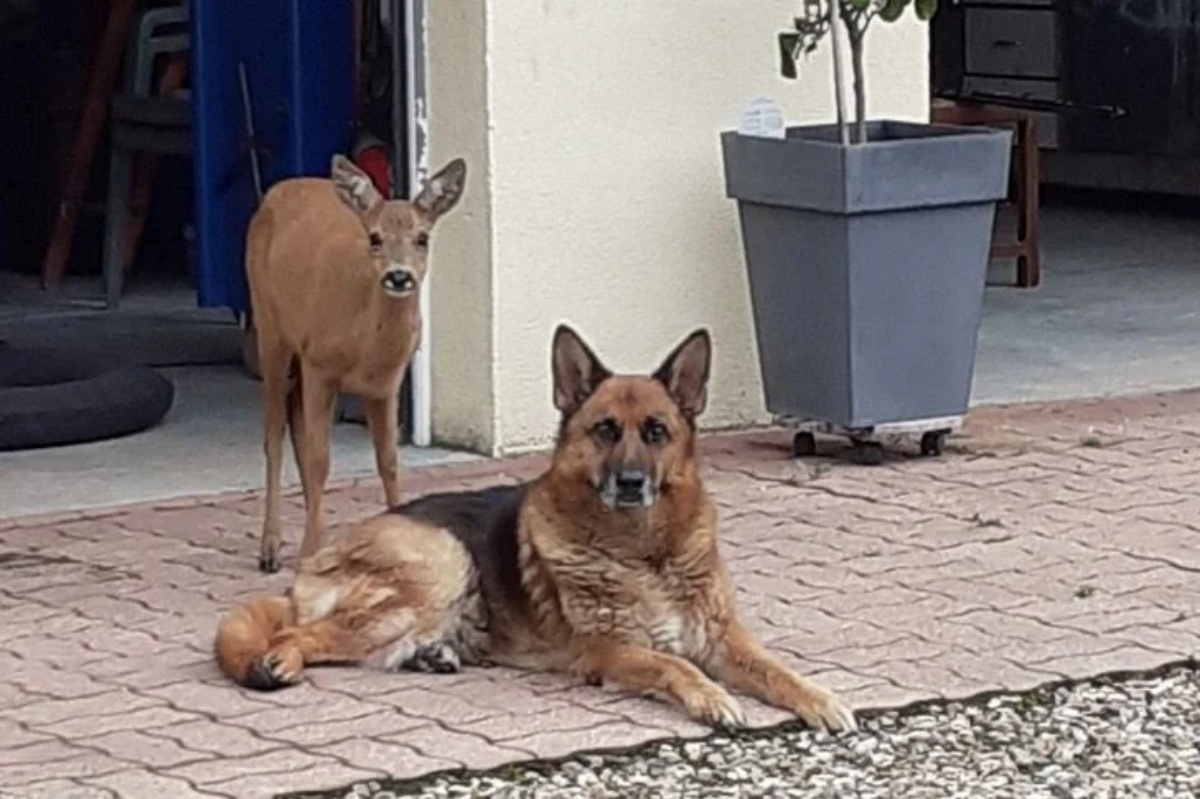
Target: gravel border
x: 1117, y: 736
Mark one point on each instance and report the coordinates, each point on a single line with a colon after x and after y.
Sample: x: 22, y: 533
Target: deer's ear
x: 577, y: 371
x: 685, y: 374
x: 443, y: 191
x: 353, y: 186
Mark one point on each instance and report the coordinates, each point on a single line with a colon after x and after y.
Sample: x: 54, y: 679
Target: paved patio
x: 1053, y: 541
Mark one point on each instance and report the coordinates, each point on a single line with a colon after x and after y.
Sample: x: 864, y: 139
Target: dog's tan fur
x: 318, y: 254
x: 606, y: 589
x: 375, y: 595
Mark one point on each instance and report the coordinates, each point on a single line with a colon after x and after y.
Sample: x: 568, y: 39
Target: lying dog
x: 606, y: 566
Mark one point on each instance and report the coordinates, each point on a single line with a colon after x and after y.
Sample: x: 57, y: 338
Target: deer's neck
x: 396, y: 319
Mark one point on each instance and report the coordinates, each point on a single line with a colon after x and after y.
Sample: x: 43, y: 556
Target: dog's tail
x: 244, y: 640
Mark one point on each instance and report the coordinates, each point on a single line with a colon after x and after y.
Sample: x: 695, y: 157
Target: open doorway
x: 177, y: 307
x: 47, y: 55
x: 1112, y: 89
x: 1112, y: 83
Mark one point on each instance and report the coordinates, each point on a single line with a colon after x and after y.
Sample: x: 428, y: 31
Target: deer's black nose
x: 399, y: 281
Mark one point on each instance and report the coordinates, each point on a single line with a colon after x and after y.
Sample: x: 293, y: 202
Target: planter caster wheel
x: 868, y: 453
x: 933, y: 442
x: 804, y: 445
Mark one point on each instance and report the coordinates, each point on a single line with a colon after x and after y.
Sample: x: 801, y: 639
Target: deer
x: 335, y: 272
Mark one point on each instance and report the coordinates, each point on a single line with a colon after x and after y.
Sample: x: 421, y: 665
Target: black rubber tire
x: 933, y: 442
x: 868, y: 453
x: 50, y: 398
x: 804, y: 445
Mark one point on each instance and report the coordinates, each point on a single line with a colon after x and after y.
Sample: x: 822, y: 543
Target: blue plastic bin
x: 300, y: 67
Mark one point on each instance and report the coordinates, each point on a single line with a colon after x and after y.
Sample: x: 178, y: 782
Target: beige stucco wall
x: 596, y: 195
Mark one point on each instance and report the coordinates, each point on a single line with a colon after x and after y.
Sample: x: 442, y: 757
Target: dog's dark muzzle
x: 628, y: 489
x: 399, y: 281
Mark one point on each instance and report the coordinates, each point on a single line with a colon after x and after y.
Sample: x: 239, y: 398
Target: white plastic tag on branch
x: 762, y: 117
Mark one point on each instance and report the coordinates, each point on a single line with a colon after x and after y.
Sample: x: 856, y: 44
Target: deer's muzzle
x: 401, y: 282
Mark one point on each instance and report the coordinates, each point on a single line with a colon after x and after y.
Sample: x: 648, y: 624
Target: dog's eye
x: 608, y: 431
x: 422, y: 240
x: 655, y: 432
x: 375, y: 240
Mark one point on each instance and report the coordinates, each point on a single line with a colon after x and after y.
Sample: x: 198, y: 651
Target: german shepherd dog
x: 606, y: 567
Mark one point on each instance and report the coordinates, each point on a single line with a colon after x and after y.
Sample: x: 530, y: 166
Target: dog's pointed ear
x: 353, y: 186
x: 577, y: 371
x: 685, y: 374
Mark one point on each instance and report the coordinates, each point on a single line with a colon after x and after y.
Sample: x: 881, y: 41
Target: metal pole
x: 251, y: 136
x: 421, y: 383
x: 400, y: 99
x: 417, y: 372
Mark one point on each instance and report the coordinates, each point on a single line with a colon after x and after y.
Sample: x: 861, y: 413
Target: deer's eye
x: 375, y: 240
x: 422, y: 240
x: 655, y: 433
x: 607, y: 431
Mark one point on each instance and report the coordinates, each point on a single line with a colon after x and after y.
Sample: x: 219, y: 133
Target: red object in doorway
x: 371, y: 156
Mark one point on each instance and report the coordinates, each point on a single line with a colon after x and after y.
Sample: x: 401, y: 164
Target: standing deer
x: 335, y: 273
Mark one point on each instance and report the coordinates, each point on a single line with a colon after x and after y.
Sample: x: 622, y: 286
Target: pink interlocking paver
x: 139, y: 783
x: 64, y: 789
x: 311, y: 734
x: 461, y: 748
x: 334, y: 707
x: 88, y: 727
x: 224, y: 740
x: 613, y: 735
x: 146, y: 748
x: 203, y: 697
x: 565, y: 717
x: 49, y: 711
x: 55, y: 763
x: 264, y: 786
x: 277, y: 761
x: 385, y: 756
x: 1050, y: 541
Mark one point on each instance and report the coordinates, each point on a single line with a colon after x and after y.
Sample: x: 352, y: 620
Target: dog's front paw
x: 821, y: 709
x: 711, y: 705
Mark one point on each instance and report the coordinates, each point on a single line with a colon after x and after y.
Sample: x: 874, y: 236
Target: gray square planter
x: 867, y: 265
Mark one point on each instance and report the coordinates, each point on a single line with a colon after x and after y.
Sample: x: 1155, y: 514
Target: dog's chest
x: 676, y: 630
x: 662, y: 610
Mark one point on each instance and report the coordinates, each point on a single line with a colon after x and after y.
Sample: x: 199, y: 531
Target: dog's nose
x: 630, y: 481
x: 399, y: 281
x: 628, y: 488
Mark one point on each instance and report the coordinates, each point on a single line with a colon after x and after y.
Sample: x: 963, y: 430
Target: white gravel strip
x: 1106, y: 739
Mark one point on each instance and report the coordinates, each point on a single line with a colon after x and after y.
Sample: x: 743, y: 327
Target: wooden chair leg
x: 105, y: 71
x: 1029, y: 270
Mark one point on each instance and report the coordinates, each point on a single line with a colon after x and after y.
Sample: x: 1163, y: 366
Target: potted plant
x: 866, y: 245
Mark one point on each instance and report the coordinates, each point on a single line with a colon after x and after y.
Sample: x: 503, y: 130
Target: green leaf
x: 858, y: 5
x: 787, y: 49
x: 925, y: 9
x: 892, y: 10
